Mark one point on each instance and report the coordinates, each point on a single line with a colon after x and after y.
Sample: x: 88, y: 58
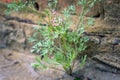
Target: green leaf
x: 38, y: 59
x: 35, y: 65
x: 83, y: 60
x: 44, y: 51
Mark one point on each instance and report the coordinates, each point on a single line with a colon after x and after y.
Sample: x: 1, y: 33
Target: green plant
x: 19, y: 5
x: 57, y: 43
x: 77, y: 79
x: 52, y: 4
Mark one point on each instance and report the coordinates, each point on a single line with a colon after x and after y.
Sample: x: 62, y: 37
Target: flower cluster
x: 56, y: 19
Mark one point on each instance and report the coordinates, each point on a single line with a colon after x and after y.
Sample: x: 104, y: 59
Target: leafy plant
x: 57, y: 43
x: 19, y: 5
x: 52, y: 4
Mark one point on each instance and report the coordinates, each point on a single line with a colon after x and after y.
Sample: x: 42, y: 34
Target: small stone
x: 95, y: 39
x: 2, y: 46
x: 116, y: 41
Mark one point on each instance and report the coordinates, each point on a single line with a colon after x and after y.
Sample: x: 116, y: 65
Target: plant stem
x: 80, y: 19
x: 57, y: 69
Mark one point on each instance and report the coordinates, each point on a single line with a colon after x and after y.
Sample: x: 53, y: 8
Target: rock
x: 94, y: 11
x: 13, y: 34
x: 105, y: 8
x: 110, y: 59
x: 94, y: 70
x: 116, y: 41
x: 95, y: 39
x: 66, y: 77
x: 104, y: 40
x: 2, y: 46
x: 117, y: 48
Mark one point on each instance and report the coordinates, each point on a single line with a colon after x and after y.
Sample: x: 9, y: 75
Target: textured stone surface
x: 14, y: 32
x: 95, y: 70
x: 16, y: 65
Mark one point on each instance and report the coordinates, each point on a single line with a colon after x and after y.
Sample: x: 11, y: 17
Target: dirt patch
x: 17, y: 66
